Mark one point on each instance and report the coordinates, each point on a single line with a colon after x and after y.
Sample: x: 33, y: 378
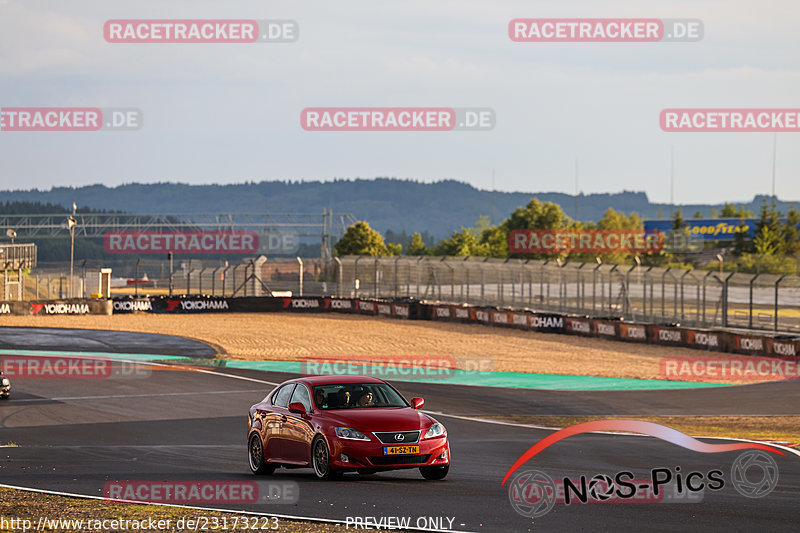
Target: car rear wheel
x: 434, y: 472
x: 255, y: 456
x: 321, y: 460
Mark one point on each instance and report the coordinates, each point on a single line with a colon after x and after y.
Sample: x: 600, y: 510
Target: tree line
x: 775, y: 247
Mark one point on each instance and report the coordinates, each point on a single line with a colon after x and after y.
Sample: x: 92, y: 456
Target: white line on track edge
x: 532, y: 426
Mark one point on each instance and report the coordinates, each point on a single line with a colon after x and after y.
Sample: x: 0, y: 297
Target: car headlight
x: 436, y: 430
x: 6, y: 382
x: 349, y: 433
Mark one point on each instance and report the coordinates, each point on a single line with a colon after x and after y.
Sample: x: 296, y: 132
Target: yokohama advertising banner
x: 181, y: 242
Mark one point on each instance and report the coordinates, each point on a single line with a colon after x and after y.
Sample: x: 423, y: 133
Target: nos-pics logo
x: 533, y: 493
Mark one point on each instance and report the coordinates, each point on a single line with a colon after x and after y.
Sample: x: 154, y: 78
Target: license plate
x: 400, y: 450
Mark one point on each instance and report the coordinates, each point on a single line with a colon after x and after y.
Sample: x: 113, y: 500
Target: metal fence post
x: 628, y: 313
x: 375, y: 281
x: 541, y: 282
x: 483, y: 282
x: 189, y: 278
x: 395, y: 276
x: 356, y: 281
x: 750, y: 306
x: 611, y: 287
x: 214, y: 281
x: 777, y: 283
x: 725, y: 300
x: 339, y: 278
x: 682, y: 294
x: 420, y: 268
x: 169, y: 255
x: 594, y: 285
x: 300, y: 277
x: 466, y: 278
x: 705, y: 280
x: 500, y: 287
x: 663, y: 291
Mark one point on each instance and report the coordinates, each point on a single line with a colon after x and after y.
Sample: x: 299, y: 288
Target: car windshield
x: 357, y: 396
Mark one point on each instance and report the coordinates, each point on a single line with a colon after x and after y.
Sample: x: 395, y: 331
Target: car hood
x: 380, y: 418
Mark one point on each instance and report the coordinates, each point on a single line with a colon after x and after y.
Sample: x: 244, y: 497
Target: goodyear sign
x: 711, y: 229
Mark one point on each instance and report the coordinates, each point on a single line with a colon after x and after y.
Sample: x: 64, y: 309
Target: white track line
x: 186, y: 368
x: 112, y: 396
x: 531, y: 426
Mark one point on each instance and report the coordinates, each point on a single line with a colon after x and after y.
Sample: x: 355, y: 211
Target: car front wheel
x: 255, y: 456
x: 321, y: 460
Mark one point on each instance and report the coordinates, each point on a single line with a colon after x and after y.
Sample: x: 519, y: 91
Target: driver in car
x: 344, y: 399
x: 366, y: 400
x: 319, y: 397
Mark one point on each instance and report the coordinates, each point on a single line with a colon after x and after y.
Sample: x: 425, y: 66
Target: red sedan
x: 335, y: 424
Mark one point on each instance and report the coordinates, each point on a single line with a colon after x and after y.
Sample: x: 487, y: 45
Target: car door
x: 273, y: 419
x: 297, y: 429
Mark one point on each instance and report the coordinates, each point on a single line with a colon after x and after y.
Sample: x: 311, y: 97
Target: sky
x: 228, y: 113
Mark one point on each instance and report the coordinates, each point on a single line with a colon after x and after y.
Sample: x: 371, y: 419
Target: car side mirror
x: 297, y: 407
x: 417, y: 403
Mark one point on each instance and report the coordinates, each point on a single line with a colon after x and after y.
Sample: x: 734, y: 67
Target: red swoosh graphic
x: 635, y: 426
x: 172, y: 304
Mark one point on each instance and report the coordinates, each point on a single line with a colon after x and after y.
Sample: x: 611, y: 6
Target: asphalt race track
x: 100, y: 341
x: 74, y: 435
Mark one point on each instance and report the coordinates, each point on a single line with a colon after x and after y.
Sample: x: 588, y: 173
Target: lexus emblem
x: 399, y: 436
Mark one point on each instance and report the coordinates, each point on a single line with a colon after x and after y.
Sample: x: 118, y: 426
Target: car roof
x: 332, y: 380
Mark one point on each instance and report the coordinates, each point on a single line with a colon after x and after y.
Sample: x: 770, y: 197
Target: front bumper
x: 370, y: 455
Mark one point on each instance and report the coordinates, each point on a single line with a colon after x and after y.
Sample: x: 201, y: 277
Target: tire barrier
x: 72, y: 306
x: 750, y: 343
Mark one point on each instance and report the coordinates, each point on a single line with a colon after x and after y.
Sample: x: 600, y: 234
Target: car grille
x: 399, y: 459
x: 388, y: 437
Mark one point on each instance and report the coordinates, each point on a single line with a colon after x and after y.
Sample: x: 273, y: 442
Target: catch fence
x: 695, y: 298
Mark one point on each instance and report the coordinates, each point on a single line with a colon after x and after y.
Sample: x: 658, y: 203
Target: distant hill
x: 387, y: 204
